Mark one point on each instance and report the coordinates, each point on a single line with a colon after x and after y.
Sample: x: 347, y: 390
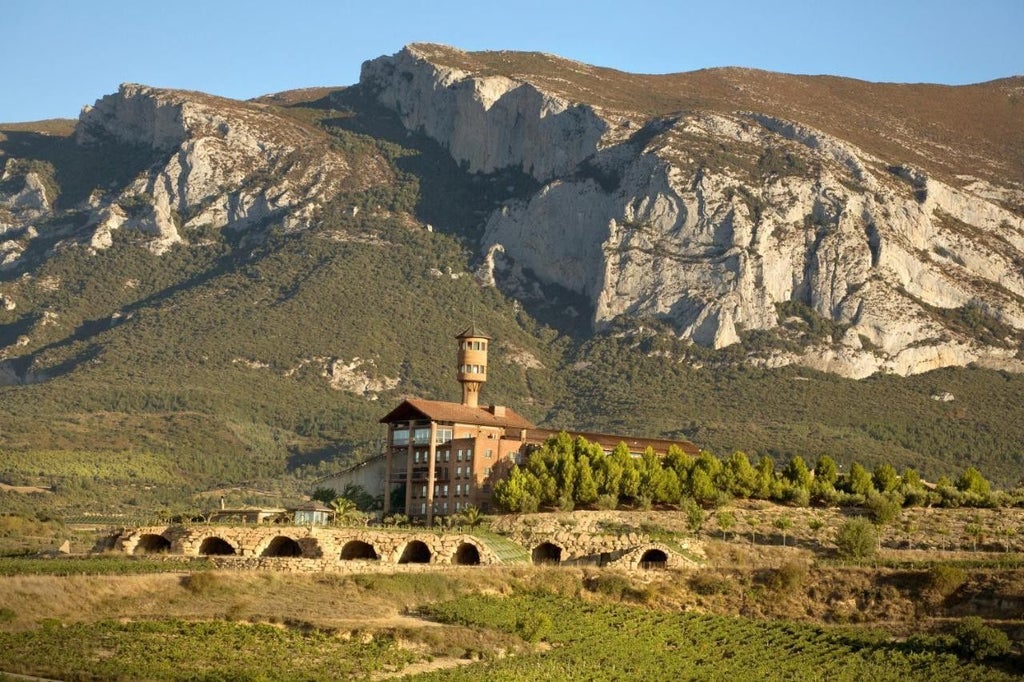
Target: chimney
x: 498, y: 410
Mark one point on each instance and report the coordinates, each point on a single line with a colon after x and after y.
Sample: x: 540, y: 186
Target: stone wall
x: 325, y: 546
x: 357, y: 550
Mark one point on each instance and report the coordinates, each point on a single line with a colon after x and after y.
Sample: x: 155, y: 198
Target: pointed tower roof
x: 474, y: 332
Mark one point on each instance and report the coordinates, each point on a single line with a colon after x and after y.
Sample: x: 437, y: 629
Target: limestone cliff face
x: 488, y: 123
x: 710, y: 220
x: 219, y: 164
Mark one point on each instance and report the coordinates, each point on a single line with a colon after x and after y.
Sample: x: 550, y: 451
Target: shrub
x: 978, y: 641
x: 708, y: 584
x: 944, y: 580
x: 789, y: 577
x: 884, y: 508
x: 204, y: 582
x: 857, y: 539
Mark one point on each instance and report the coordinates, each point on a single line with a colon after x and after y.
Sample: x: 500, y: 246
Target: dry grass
x: 787, y: 585
x: 321, y: 600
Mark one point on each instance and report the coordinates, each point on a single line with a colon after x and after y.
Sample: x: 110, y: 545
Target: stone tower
x: 472, y: 364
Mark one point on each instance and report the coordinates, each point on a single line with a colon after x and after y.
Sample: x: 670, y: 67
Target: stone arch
x: 357, y: 549
x: 282, y: 546
x: 547, y: 553
x: 654, y: 558
x: 415, y: 552
x: 216, y: 546
x: 467, y: 554
x: 310, y: 548
x: 152, y: 543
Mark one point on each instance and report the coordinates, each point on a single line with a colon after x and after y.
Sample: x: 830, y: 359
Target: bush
x: 857, y: 539
x: 978, y: 641
x: 885, y: 508
x: 204, y: 582
x: 619, y: 587
x: 789, y: 577
x: 944, y: 580
x: 708, y: 584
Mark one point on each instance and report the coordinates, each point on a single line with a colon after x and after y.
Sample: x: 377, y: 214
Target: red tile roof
x: 440, y: 411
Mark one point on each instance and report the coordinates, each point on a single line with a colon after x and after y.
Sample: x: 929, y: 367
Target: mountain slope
x: 233, y: 292
x: 682, y: 204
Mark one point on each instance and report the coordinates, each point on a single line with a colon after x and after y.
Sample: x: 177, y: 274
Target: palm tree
x: 345, y: 512
x: 471, y: 516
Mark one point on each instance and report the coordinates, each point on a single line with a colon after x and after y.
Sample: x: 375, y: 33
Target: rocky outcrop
x: 711, y: 220
x: 217, y: 164
x: 489, y: 123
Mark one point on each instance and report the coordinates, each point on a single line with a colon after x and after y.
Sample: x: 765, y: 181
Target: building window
x: 445, y: 490
x: 423, y: 509
x: 447, y: 455
x: 437, y: 489
x: 421, y: 436
x: 400, y: 437
x: 458, y: 489
x: 458, y: 456
x: 467, y: 490
x: 443, y: 435
x: 469, y: 454
x: 487, y: 471
x: 444, y: 507
x: 458, y: 472
x: 423, y: 491
x: 487, y: 454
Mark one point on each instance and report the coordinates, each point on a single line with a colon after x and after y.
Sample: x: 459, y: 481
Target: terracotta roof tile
x: 437, y: 410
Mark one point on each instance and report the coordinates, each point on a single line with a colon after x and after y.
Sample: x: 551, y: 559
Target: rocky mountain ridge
x: 714, y: 220
x: 235, y: 289
x: 214, y: 163
x: 658, y: 198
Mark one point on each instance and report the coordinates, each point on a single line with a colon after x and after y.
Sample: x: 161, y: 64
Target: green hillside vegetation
x: 496, y: 624
x: 150, y: 379
x: 648, y: 384
x: 567, y: 473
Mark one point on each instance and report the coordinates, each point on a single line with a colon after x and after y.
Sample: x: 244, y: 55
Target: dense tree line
x: 565, y: 473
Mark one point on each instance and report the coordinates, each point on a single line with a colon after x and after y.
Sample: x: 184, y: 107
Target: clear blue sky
x: 58, y: 55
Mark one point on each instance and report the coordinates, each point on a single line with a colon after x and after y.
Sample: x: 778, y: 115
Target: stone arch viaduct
x: 318, y: 548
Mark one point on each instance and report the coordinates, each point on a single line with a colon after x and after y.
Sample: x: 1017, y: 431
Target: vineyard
x: 517, y: 623
x: 174, y: 649
x: 615, y: 642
